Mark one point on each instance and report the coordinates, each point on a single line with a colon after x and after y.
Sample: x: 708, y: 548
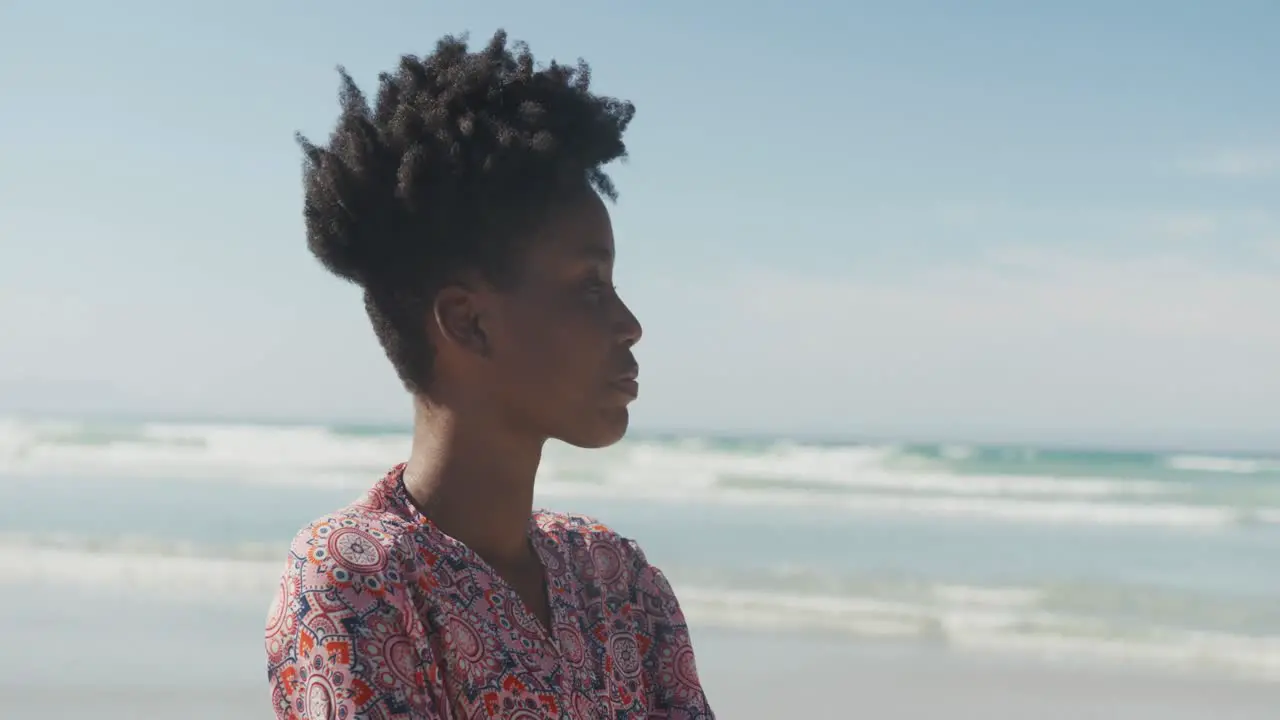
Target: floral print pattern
x: 380, y: 615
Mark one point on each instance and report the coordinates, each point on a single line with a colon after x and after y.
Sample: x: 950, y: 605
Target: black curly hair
x: 464, y: 155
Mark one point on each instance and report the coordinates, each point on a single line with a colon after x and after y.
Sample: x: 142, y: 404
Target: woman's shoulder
x: 362, y: 555
x: 368, y: 536
x: 575, y: 529
x: 358, y: 537
x: 589, y: 542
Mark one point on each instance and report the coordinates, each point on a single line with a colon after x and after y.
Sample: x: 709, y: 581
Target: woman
x: 467, y: 204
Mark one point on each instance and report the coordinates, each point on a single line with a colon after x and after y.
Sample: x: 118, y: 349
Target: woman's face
x: 561, y: 337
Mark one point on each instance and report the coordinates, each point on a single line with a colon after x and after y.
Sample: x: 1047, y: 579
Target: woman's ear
x: 458, y: 313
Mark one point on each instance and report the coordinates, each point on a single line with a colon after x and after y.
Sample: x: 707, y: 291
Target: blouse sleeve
x: 337, y: 640
x: 671, y: 673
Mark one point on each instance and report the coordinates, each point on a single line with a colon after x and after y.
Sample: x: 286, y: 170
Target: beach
x: 125, y: 659
x: 820, y: 579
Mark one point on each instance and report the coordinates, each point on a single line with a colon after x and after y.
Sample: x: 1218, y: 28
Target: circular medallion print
x: 319, y: 699
x: 356, y: 550
x: 467, y: 641
x: 279, y: 605
x: 521, y: 618
x: 626, y: 653
x: 571, y: 645
x: 401, y: 660
x: 685, y: 668
x: 608, y: 562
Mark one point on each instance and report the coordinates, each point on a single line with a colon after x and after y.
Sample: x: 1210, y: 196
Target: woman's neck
x: 475, y: 484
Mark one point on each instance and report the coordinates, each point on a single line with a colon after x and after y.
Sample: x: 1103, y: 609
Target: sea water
x: 1168, y: 561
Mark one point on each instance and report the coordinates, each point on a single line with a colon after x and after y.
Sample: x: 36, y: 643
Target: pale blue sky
x: 1012, y: 220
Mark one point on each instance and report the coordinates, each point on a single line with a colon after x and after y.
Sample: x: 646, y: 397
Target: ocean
x: 121, y: 539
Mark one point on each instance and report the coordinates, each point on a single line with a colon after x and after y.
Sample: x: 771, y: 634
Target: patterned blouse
x: 381, y: 615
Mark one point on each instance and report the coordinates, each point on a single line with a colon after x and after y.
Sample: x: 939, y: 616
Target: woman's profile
x: 467, y: 201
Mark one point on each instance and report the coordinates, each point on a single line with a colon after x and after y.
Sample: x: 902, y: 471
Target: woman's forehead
x: 581, y: 233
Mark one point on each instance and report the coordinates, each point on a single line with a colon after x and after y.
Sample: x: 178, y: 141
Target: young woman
x: 466, y: 203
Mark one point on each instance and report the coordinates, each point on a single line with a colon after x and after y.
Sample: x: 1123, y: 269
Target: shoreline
x: 817, y: 678
x: 1155, y: 442
x: 754, y: 676
x: 139, y: 658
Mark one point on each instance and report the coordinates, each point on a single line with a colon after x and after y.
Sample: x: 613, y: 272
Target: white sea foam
x: 856, y: 479
x: 165, y: 576
x: 990, y: 508
x: 303, y: 454
x: 983, y: 619
x: 982, y: 626
x: 837, y: 468
x: 1226, y: 465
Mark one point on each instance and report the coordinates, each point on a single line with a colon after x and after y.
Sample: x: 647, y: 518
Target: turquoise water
x: 1161, y: 559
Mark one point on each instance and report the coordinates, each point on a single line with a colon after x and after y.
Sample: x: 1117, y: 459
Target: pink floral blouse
x: 381, y: 615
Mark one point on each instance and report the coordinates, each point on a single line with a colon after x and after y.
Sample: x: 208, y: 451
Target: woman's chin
x: 608, y: 428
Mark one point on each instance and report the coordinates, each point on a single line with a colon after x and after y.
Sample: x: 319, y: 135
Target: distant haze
x: 1012, y: 222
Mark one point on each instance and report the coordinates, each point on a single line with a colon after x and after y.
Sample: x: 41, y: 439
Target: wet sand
x: 202, y: 664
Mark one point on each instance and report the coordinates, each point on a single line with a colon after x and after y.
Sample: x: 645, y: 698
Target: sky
x: 984, y: 220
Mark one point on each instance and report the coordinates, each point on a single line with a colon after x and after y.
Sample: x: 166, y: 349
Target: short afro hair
x: 464, y: 154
